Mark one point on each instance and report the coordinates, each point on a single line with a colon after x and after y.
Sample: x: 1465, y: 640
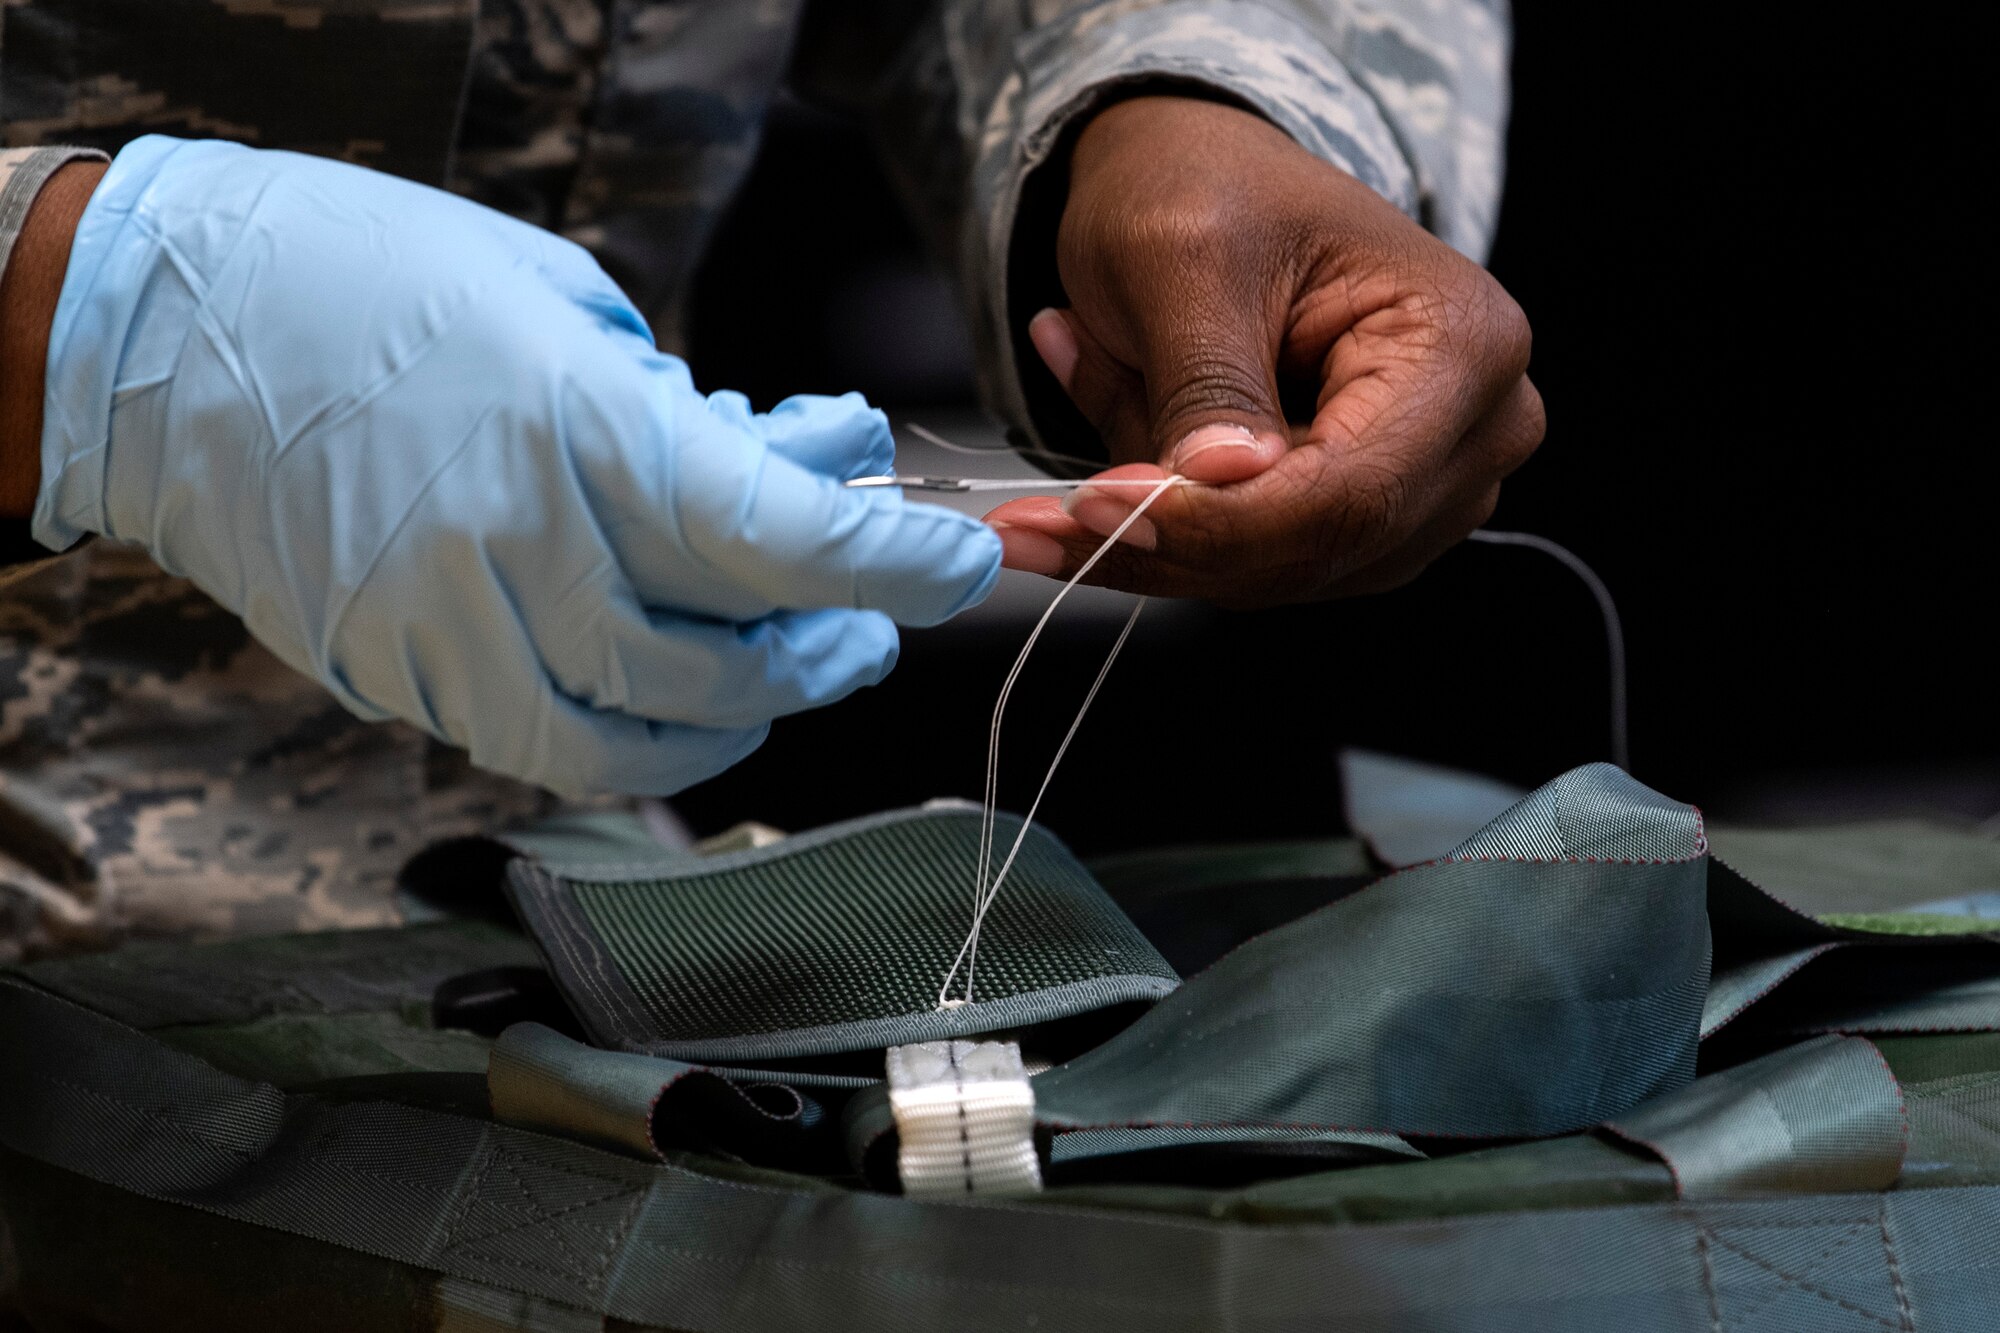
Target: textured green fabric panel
x: 1429, y: 1004
x: 1863, y: 867
x: 291, y: 1050
x: 1410, y: 811
x: 1823, y: 1117
x: 663, y: 1244
x: 836, y: 940
x: 1909, y: 923
x: 1432, y: 1003
x: 331, y: 972
x: 1922, y: 1059
x: 1794, y: 973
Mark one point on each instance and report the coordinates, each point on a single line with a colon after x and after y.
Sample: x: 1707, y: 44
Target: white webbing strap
x: 965, y: 1118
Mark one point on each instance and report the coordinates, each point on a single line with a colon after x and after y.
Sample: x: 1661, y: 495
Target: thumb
x: 1212, y: 392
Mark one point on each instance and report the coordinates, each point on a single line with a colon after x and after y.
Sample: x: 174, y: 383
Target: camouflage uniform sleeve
x: 1408, y: 96
x: 23, y: 172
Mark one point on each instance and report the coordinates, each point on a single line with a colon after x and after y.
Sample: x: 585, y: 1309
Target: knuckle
x: 1501, y: 329
x: 1529, y: 428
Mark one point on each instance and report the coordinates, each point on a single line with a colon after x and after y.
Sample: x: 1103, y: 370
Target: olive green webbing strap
x: 663, y: 1245
x: 831, y: 941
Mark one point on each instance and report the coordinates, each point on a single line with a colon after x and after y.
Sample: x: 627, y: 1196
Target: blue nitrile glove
x: 432, y: 458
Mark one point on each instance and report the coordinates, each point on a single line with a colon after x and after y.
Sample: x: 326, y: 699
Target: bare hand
x: 1210, y: 259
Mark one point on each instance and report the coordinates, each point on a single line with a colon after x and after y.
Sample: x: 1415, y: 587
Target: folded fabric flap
x: 1213, y: 1157
x: 1501, y: 997
x: 833, y: 941
x: 1739, y: 983
x: 1823, y: 1117
x: 648, y: 1106
x: 1789, y: 964
x: 1079, y: 1145
x: 1436, y: 1003
x: 1594, y: 813
x: 1951, y: 1085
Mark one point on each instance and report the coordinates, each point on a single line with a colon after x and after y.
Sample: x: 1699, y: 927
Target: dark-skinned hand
x: 1209, y: 259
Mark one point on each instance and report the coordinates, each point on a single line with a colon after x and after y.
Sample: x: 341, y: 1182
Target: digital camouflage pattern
x: 161, y: 773
x: 164, y: 775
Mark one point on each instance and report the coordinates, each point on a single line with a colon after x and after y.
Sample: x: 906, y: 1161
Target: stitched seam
x: 540, y: 1217
x: 1851, y: 1231
x: 626, y: 1024
x: 1811, y: 1289
x: 1902, y: 1104
x: 1903, y: 1313
x: 964, y: 1135
x: 160, y: 1118
x: 1708, y: 1278
x: 467, y: 1197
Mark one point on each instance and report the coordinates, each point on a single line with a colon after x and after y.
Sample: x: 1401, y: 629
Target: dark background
x: 1759, y: 286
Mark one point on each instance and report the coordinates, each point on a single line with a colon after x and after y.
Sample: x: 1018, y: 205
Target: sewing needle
x: 962, y: 484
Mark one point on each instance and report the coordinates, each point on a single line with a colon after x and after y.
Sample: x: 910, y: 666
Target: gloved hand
x: 432, y: 458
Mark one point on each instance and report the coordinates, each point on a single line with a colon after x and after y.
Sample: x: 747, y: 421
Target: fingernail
x: 1056, y: 341
x: 1029, y: 551
x: 1102, y: 513
x: 1219, y: 435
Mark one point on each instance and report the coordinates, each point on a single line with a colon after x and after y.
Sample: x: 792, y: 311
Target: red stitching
x: 1614, y: 1128
x: 1902, y: 1102
x: 1774, y: 983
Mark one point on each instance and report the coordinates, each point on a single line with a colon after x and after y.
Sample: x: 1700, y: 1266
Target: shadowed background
x: 1756, y: 277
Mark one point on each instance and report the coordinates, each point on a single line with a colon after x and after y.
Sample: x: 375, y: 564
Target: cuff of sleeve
x: 23, y: 172
x: 1234, y: 50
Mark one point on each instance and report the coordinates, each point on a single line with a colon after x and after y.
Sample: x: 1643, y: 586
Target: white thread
x: 1614, y: 629
x: 983, y: 892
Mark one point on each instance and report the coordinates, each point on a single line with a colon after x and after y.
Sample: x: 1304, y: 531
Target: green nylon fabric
x: 523, y: 1229
x: 833, y: 941
x: 292, y: 1050
x: 1765, y: 887
x: 1430, y: 1003
x: 571, y: 1228
x: 237, y: 981
x: 1822, y: 1117
x: 649, y: 1105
